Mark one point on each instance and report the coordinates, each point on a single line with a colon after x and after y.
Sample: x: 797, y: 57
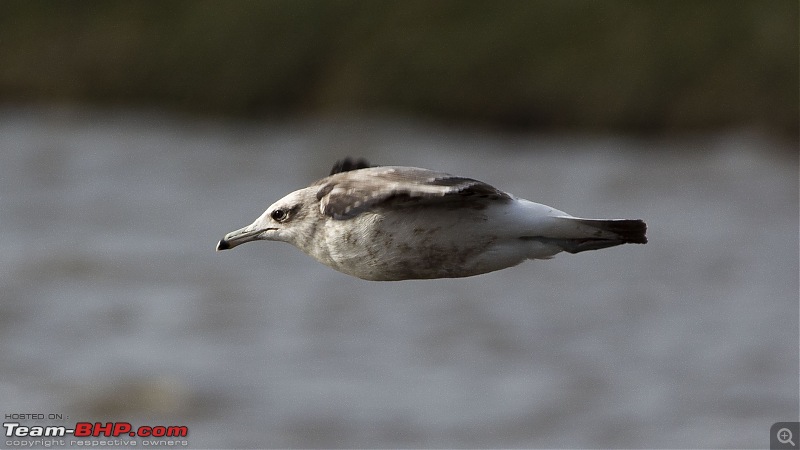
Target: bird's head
x: 290, y: 219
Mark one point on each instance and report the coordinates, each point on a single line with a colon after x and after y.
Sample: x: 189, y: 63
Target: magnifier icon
x: 785, y: 436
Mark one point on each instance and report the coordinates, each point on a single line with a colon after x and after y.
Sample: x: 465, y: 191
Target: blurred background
x: 134, y: 135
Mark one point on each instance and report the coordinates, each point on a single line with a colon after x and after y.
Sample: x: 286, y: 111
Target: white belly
x: 427, y: 242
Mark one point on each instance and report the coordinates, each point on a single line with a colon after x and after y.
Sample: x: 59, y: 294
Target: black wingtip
x: 636, y: 232
x: 633, y: 231
x: 223, y: 245
x: 629, y: 231
x: 347, y: 164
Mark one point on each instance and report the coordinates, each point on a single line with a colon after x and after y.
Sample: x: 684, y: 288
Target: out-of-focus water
x: 115, y: 306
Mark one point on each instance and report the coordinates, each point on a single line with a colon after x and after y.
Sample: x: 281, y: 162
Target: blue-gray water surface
x: 115, y: 306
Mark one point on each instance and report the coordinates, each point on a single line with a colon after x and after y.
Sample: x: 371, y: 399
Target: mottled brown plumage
x: 397, y: 223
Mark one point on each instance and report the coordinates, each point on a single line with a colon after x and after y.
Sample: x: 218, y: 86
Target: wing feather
x: 346, y: 194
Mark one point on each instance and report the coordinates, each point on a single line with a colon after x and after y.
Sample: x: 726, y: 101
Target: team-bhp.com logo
x: 95, y: 430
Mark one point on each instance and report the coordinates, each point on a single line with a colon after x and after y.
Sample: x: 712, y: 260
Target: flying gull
x: 403, y: 223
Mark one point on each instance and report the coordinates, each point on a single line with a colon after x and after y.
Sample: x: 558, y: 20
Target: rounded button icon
x: 784, y: 436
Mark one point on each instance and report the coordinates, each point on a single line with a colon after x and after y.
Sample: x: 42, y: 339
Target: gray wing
x: 347, y: 194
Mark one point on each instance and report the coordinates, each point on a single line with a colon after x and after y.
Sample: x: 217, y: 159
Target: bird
x: 392, y: 223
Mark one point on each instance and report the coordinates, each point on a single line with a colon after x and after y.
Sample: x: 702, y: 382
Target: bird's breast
x: 408, y: 245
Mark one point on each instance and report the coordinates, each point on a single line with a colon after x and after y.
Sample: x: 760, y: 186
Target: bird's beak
x: 238, y: 237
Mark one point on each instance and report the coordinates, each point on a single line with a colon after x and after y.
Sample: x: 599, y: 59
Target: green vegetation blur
x: 632, y: 66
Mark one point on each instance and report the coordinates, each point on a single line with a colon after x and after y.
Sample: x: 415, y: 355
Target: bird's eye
x: 279, y: 215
